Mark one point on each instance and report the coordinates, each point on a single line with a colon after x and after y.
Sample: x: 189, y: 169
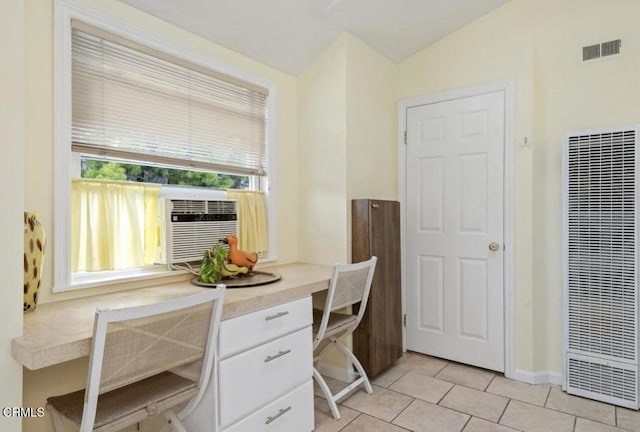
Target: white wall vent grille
x: 193, y: 226
x: 601, y: 298
x: 615, y: 383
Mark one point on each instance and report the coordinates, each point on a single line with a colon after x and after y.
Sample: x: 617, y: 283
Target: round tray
x: 254, y: 278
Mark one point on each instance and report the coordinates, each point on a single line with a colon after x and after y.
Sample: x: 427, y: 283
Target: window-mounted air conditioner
x: 190, y: 227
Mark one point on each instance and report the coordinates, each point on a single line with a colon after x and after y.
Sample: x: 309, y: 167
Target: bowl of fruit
x: 216, y: 268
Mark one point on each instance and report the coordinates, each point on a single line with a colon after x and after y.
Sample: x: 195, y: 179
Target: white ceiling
x: 289, y: 34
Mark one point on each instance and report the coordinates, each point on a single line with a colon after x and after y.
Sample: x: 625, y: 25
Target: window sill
x: 101, y: 279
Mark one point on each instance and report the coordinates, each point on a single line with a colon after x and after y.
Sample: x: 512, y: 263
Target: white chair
x: 350, y: 284
x: 139, y: 361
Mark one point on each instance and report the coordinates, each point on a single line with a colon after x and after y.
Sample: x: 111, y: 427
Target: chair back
x: 131, y: 344
x: 350, y: 284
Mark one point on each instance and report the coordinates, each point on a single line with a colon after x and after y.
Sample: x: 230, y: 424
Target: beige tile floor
x: 425, y: 394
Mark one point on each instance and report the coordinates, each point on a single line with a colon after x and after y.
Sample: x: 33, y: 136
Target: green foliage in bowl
x: 214, y: 266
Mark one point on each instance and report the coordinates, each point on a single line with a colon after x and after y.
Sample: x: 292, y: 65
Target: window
x: 141, y: 120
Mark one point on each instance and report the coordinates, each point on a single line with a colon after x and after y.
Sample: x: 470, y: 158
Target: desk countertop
x: 60, y: 331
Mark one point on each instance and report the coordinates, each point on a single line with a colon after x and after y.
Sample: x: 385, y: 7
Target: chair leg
x: 327, y: 394
x: 56, y: 419
x: 173, y: 420
x: 323, y: 352
x: 356, y: 363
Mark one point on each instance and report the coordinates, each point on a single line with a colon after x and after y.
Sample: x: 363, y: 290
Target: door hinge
x: 405, y: 137
x: 404, y: 320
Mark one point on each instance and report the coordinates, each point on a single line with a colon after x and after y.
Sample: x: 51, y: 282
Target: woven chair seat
x: 337, y: 321
x: 129, y: 404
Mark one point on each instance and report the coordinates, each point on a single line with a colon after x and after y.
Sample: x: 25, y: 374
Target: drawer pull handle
x: 275, y: 356
x: 280, y: 413
x: 278, y: 315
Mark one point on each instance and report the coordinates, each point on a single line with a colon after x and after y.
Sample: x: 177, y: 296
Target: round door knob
x: 494, y: 246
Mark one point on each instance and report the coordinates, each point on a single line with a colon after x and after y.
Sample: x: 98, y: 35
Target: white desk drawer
x: 247, y: 331
x: 291, y: 413
x: 256, y: 377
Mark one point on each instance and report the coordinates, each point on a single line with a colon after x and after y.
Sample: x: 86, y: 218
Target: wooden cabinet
x: 375, y: 230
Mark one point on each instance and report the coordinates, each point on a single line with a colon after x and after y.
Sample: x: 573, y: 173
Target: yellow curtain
x: 252, y: 220
x: 113, y: 224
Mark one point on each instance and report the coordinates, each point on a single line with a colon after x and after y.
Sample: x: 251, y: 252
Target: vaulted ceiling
x: 289, y: 34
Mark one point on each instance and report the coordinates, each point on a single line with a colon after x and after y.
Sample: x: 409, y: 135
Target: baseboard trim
x: 537, y: 377
x: 346, y: 374
x: 341, y: 373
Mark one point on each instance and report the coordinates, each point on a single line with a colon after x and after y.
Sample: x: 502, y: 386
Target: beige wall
x: 371, y: 123
x: 347, y: 144
x: 538, y: 43
x: 11, y: 200
x: 371, y: 127
x: 322, y: 150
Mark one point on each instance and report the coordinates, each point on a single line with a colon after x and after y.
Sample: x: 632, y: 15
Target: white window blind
x: 133, y: 102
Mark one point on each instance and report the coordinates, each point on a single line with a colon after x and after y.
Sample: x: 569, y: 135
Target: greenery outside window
x: 134, y: 172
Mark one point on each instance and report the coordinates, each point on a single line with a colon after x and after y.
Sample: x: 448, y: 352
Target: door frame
x: 508, y: 87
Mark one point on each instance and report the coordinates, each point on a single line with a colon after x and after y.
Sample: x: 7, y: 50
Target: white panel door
x: 454, y: 212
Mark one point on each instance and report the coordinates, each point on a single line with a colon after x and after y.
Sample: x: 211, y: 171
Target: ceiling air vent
x: 603, y: 49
